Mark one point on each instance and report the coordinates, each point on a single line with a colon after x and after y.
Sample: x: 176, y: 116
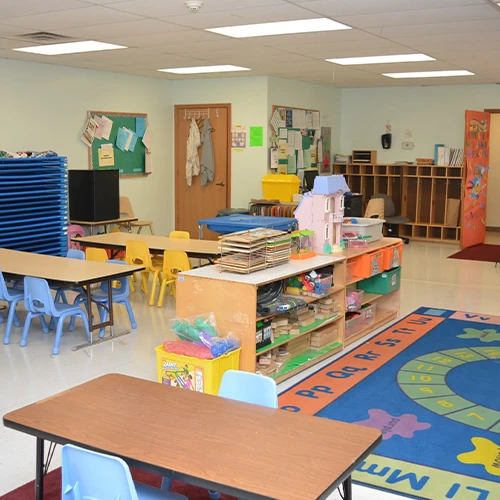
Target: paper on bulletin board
x: 289, y: 118
x: 238, y: 137
x: 130, y: 138
x: 313, y: 155
x: 256, y: 137
x: 140, y: 126
x: 107, y: 145
x: 300, y: 159
x: 298, y: 140
x: 98, y: 132
x: 122, y: 137
x: 146, y: 138
x: 291, y: 139
x: 277, y: 120
x: 89, y: 131
x: 292, y: 164
x: 315, y: 120
x: 307, y: 158
x: 299, y: 118
x: 133, y: 143
x: 309, y: 119
x: 106, y: 126
x: 106, y: 157
x: 282, y: 150
x: 149, y: 162
x: 274, y: 158
x: 283, y: 133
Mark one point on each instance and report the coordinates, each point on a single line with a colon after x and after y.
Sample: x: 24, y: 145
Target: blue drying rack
x: 34, y: 204
x: 234, y: 223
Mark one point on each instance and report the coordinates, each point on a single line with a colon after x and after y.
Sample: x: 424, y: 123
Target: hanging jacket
x: 207, y: 154
x: 192, y: 158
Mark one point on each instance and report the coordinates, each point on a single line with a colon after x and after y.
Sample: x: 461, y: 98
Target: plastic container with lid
x: 280, y: 187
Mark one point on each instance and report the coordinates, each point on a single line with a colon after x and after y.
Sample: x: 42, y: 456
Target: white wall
x: 248, y: 98
x: 433, y: 114
x: 45, y: 106
x: 325, y: 98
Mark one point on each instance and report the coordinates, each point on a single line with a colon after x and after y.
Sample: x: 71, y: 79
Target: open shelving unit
x: 233, y: 300
x: 419, y: 192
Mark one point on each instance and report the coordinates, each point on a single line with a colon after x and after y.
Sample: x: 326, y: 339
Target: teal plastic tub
x: 383, y: 283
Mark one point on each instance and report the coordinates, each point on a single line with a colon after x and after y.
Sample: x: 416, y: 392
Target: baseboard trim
x: 493, y: 229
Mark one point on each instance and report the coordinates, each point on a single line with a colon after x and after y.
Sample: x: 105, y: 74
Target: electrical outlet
x: 407, y: 145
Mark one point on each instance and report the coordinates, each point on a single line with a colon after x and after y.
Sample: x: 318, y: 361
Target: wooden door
x: 196, y: 202
x: 476, y: 153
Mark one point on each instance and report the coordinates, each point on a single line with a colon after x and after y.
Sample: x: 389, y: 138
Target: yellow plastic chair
x: 174, y: 262
x: 96, y: 254
x: 179, y: 234
x: 137, y: 253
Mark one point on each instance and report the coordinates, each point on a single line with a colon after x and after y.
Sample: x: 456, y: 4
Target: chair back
x: 92, y: 475
x: 96, y: 254
x: 73, y: 253
x: 389, y: 208
x: 375, y: 209
x: 37, y: 296
x: 123, y: 287
x: 175, y: 262
x: 137, y: 253
x: 4, y: 292
x: 249, y: 388
x: 179, y: 234
x: 126, y: 207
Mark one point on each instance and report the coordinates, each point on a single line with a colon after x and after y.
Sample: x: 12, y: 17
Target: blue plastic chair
x: 92, y: 475
x: 120, y: 295
x: 245, y: 387
x: 12, y: 296
x: 72, y: 253
x: 38, y: 302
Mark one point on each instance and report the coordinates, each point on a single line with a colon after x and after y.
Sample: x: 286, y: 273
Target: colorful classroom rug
x: 52, y: 487
x: 431, y: 384
x: 483, y: 252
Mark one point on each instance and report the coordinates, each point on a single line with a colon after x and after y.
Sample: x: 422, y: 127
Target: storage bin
x: 200, y: 375
x: 393, y: 256
x: 369, y: 264
x: 350, y: 270
x: 364, y: 227
x: 368, y: 311
x: 354, y: 300
x: 354, y: 325
x: 384, y: 283
x: 280, y: 187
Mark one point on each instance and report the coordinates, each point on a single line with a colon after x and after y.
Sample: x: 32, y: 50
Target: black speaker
x: 94, y: 195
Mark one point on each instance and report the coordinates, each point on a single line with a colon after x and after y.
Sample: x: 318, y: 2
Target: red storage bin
x: 393, y: 256
x: 369, y: 265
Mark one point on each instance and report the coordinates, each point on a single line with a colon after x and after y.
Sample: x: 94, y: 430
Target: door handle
x: 220, y: 184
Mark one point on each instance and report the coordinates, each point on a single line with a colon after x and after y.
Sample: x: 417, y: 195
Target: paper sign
x: 289, y: 118
x: 238, y: 137
x: 307, y: 158
x: 276, y: 121
x: 256, y: 136
x: 98, y: 132
x: 300, y: 159
x: 106, y: 157
x: 140, y: 126
x: 299, y: 118
x: 146, y: 139
x: 133, y: 143
x: 274, y: 158
x: 122, y: 138
x: 283, y: 133
x: 89, y: 131
x: 309, y: 119
x: 106, y: 125
x: 315, y: 120
x: 149, y: 162
x: 292, y: 164
x: 291, y: 139
x: 282, y: 150
x: 298, y: 140
x: 313, y: 155
x: 107, y: 145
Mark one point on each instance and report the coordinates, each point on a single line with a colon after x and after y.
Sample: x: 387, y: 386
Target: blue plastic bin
x: 234, y: 223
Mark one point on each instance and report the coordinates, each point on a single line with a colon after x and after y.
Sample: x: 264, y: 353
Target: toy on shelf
x: 322, y: 210
x: 355, y: 240
x: 302, y: 244
x: 354, y: 300
x: 312, y: 284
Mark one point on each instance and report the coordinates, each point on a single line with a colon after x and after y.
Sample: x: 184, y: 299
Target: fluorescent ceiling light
x: 430, y: 74
x: 347, y: 61
x: 57, y: 49
x: 223, y: 68
x: 280, y: 28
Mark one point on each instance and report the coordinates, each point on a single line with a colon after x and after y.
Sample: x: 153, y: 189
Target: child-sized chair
x: 126, y: 209
x: 120, y: 295
x: 96, y: 254
x: 38, y: 302
x: 71, y: 254
x: 88, y: 474
x: 179, y: 234
x: 137, y: 253
x: 245, y: 387
x: 174, y: 262
x: 12, y: 296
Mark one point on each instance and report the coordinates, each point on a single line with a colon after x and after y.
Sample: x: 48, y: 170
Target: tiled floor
x: 31, y: 373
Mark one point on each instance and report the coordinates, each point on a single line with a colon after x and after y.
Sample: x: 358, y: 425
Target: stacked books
x: 448, y: 157
x: 249, y: 251
x: 338, y: 158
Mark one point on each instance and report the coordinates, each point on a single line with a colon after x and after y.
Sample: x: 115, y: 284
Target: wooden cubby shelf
x: 419, y: 192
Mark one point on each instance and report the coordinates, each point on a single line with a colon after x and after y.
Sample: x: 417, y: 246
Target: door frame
x: 176, y: 152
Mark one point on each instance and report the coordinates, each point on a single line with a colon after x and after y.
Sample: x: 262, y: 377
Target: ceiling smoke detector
x: 194, y: 5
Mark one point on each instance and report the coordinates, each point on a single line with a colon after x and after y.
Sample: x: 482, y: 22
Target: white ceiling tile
x: 236, y: 16
x: 207, y: 47
x: 357, y: 7
x: 6, y: 31
x: 424, y: 16
x: 112, y: 31
x: 163, y: 41
x: 72, y: 19
x: 164, y: 8
x: 456, y: 39
x: 10, y: 8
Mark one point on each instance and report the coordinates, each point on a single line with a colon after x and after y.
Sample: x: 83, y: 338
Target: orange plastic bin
x: 369, y: 265
x: 393, y: 256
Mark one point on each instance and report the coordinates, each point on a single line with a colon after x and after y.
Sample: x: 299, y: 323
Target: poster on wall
x: 238, y: 137
x: 325, y: 166
x: 477, y: 152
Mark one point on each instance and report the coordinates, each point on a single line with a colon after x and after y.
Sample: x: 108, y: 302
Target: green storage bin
x: 383, y: 283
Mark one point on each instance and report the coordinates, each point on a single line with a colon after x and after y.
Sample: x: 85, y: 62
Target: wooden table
x: 121, y: 221
x: 65, y: 272
x: 244, y: 450
x: 199, y: 249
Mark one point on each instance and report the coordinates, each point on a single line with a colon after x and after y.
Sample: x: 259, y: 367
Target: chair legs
x: 60, y: 322
x: 11, y: 319
x: 161, y: 296
x: 27, y: 324
x: 156, y: 278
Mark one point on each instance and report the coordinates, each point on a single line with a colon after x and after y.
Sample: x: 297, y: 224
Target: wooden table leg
x: 347, y: 488
x: 39, y: 469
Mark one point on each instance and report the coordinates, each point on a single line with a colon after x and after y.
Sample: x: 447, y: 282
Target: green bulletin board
x: 129, y: 163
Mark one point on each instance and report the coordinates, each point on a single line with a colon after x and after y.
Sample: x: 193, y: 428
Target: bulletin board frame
x: 139, y: 153
x: 274, y: 135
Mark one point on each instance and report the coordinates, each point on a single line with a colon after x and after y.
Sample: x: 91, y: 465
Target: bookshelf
x: 419, y: 192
